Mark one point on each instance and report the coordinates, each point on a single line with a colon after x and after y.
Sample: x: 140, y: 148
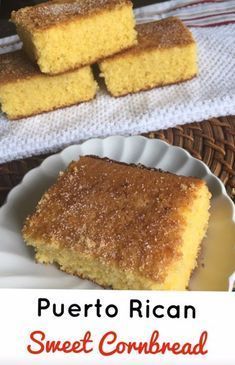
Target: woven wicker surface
x: 211, y: 141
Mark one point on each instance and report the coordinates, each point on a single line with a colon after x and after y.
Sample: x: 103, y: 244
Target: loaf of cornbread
x: 121, y: 226
x: 66, y: 34
x: 25, y: 91
x: 165, y: 54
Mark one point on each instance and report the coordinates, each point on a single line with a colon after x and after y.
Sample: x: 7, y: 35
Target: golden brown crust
x: 166, y: 33
x: 52, y: 12
x: 162, y: 34
x: 123, y: 215
x: 16, y: 66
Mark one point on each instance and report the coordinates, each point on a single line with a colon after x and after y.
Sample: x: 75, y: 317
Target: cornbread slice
x: 121, y: 226
x: 66, y: 34
x: 25, y: 91
x: 165, y: 54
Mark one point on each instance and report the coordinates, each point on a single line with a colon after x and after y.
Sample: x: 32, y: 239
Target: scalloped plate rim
x: 33, y: 172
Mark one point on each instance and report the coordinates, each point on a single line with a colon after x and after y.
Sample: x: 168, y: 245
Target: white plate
x: 17, y: 267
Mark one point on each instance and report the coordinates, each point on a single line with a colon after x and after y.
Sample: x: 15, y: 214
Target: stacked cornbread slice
x: 66, y: 34
x: 25, y: 91
x: 165, y: 54
x: 62, y: 39
x: 61, y: 36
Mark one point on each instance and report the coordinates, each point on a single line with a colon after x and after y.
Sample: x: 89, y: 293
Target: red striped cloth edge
x: 201, y: 13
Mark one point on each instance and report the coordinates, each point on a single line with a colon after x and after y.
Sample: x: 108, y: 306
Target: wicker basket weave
x: 211, y: 141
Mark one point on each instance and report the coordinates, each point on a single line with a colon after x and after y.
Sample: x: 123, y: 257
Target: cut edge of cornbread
x: 158, y: 60
x: 39, y: 44
x: 25, y: 92
x: 15, y: 118
x: 196, y: 220
x: 196, y: 217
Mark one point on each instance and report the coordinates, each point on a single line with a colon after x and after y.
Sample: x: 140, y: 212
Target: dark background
x: 6, y: 6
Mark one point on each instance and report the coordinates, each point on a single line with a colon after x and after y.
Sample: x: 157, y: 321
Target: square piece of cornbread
x: 25, y: 91
x: 66, y: 34
x: 121, y: 226
x: 165, y: 54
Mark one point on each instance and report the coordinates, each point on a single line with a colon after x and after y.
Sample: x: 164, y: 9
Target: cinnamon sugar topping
x: 165, y: 33
x: 121, y: 214
x: 14, y: 66
x: 54, y: 11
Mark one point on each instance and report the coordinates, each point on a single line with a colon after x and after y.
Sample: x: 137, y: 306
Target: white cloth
x: 211, y: 94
